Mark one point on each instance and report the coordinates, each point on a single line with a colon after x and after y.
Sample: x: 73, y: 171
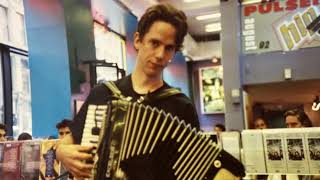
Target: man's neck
x: 143, y: 84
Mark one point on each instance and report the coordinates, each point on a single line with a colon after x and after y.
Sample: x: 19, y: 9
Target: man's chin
x: 153, y: 74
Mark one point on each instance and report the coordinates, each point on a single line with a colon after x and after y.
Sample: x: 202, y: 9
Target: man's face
x: 63, y: 132
x: 2, y: 135
x: 155, y: 49
x: 293, y: 122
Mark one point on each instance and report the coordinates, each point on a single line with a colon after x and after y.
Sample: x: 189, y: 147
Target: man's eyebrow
x: 158, y: 40
x: 171, y: 45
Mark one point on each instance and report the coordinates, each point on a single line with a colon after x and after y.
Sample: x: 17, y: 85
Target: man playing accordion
x: 159, y: 36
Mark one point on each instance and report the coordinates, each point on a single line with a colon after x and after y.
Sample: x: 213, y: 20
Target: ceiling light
x: 213, y: 27
x: 190, y: 1
x: 244, y: 2
x: 208, y: 16
x: 215, y: 59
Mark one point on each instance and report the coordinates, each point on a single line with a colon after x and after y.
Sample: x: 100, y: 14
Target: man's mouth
x: 156, y: 65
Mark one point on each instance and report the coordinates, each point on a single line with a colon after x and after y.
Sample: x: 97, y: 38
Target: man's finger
x: 83, y: 156
x: 80, y: 173
x: 85, y: 148
x: 82, y: 166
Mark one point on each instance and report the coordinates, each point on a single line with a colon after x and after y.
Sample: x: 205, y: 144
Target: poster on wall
x: 279, y: 26
x: 211, y: 90
x: 49, y: 166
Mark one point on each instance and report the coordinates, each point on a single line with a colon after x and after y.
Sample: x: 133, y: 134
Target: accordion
x: 124, y: 130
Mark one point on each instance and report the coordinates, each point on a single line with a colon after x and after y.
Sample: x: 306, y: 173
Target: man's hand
x: 225, y: 174
x: 74, y: 157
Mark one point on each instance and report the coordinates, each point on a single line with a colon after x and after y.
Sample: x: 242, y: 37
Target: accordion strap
x: 166, y: 93
x: 113, y: 88
x: 161, y: 95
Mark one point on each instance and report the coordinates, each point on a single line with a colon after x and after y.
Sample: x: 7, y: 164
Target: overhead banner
x: 279, y: 26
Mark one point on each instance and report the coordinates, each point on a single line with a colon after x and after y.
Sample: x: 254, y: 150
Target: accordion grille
x: 135, y: 130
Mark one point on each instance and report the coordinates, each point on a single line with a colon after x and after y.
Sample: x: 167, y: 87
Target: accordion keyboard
x: 96, y: 114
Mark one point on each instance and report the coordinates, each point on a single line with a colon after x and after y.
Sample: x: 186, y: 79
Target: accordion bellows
x: 124, y: 130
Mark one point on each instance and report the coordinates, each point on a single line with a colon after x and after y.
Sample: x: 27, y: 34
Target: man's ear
x: 136, y: 40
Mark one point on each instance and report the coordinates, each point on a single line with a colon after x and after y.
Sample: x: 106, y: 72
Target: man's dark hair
x: 166, y: 13
x: 64, y: 123
x: 301, y: 116
x: 24, y: 136
x: 221, y: 126
x: 2, y: 126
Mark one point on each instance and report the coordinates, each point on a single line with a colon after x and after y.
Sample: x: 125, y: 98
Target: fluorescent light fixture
x: 213, y: 27
x: 244, y: 2
x: 208, y: 16
x: 190, y: 1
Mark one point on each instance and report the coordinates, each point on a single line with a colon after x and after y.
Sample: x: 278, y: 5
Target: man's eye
x: 155, y: 43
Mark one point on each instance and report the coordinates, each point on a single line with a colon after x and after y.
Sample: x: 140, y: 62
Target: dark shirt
x: 178, y: 105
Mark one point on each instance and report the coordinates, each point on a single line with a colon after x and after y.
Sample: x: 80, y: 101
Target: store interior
x: 241, y: 59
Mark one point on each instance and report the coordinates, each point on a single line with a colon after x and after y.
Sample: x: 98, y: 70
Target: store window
x: 21, y: 94
x: 21, y: 30
x: 4, y: 31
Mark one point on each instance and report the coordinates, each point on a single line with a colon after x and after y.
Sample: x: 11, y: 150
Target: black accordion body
x: 124, y: 130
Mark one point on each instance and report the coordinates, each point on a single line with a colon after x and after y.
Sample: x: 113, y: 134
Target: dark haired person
x: 260, y: 123
x: 218, y: 128
x: 24, y: 136
x: 297, y: 118
x: 2, y: 133
x: 159, y: 36
x: 63, y: 128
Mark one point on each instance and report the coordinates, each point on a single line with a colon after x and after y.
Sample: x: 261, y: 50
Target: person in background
x: 218, y: 128
x: 24, y: 136
x: 2, y: 133
x: 297, y: 118
x: 64, y: 128
x: 260, y: 123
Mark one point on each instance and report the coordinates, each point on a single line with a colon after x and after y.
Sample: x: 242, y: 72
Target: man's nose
x: 160, y: 52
